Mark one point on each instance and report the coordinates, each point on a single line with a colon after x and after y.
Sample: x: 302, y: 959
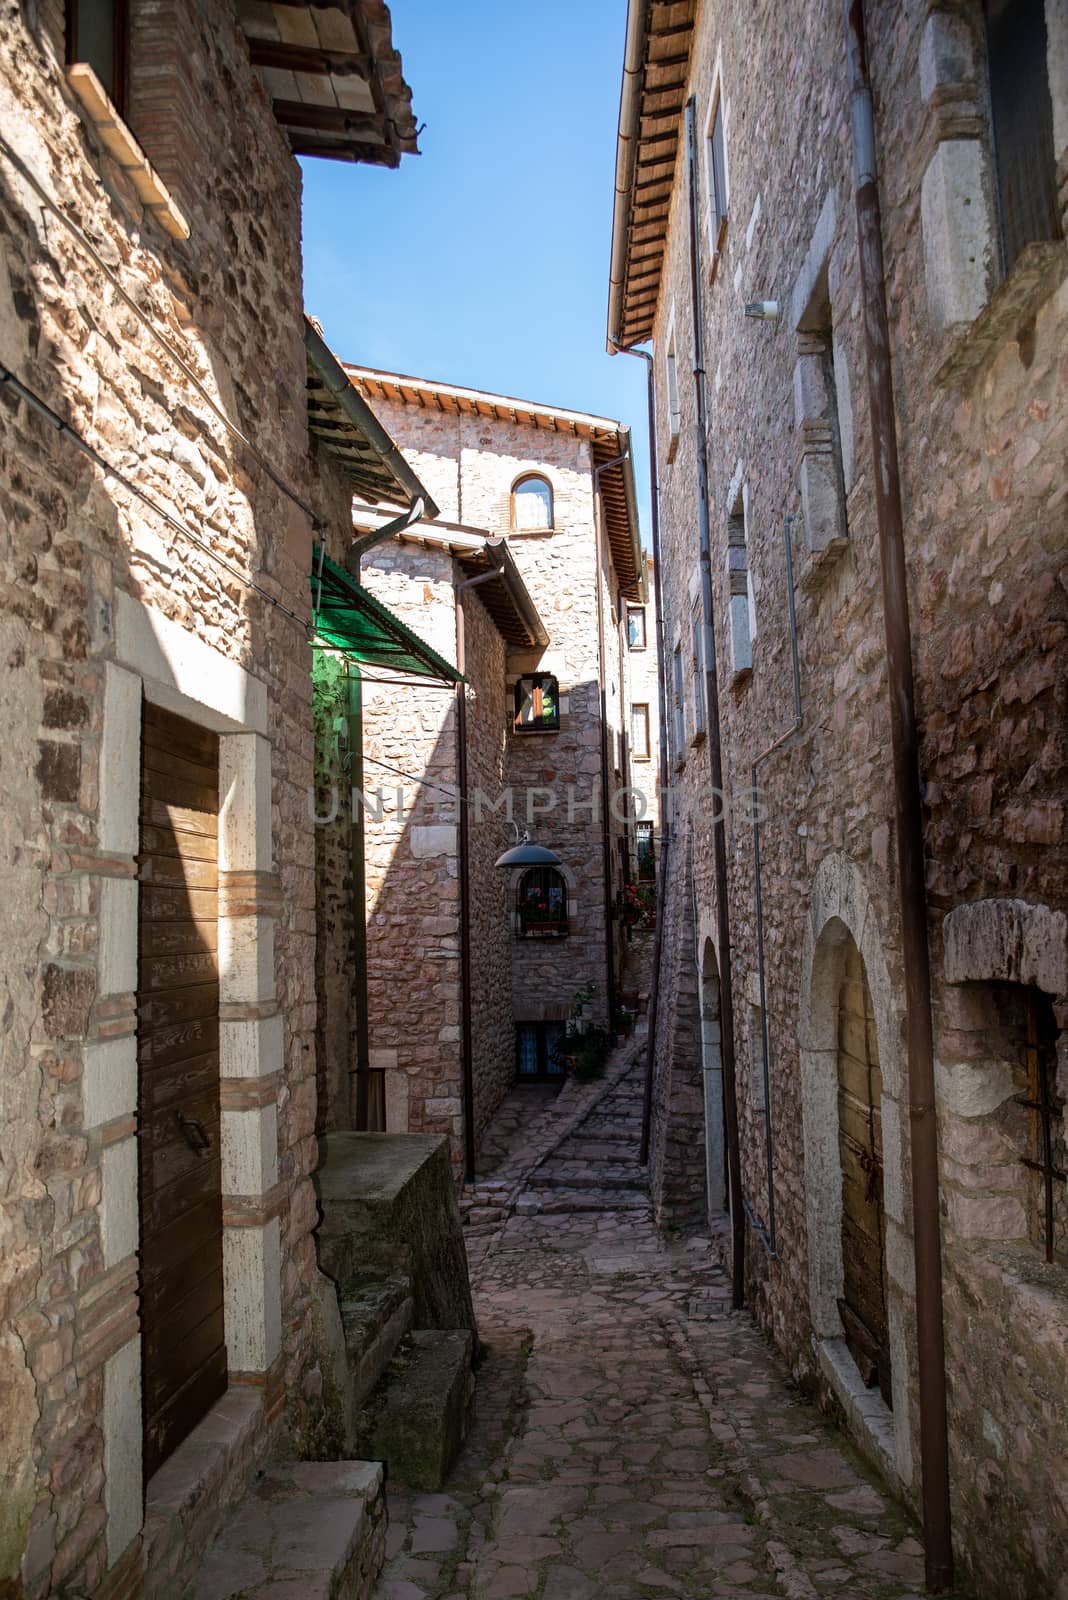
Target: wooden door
x: 183, y: 1348
x: 860, y: 1144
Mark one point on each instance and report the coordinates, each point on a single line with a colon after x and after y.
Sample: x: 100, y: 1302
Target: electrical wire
x: 87, y: 245
x: 45, y: 411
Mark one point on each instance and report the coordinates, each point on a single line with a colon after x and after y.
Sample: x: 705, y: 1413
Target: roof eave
x: 626, y: 145
x: 363, y: 418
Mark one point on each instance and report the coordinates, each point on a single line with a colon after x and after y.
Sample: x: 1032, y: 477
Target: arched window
x: 541, y: 904
x: 532, y: 504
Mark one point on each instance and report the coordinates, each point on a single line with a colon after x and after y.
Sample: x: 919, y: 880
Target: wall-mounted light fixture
x: 526, y: 854
x: 762, y: 310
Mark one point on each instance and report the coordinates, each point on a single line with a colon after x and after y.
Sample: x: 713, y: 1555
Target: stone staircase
x: 391, y: 1243
x: 596, y: 1168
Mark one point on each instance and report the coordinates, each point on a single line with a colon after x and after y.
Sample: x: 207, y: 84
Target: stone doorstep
x: 375, y: 1316
x: 590, y: 1179
x: 188, y: 1498
x: 310, y: 1528
x: 416, y: 1419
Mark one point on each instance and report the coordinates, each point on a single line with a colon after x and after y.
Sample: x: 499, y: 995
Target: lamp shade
x: 525, y: 854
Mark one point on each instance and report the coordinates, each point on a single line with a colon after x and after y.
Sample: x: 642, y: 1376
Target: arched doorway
x: 712, y: 1077
x: 863, y: 1301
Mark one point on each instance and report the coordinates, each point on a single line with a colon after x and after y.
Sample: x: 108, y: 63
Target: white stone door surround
x: 171, y: 667
x: 840, y: 908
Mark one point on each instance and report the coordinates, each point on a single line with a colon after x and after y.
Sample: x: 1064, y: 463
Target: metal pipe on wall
x: 661, y: 695
x: 908, y: 820
x: 362, y: 1106
x: 606, y: 815
x: 715, y: 749
x: 768, y: 1236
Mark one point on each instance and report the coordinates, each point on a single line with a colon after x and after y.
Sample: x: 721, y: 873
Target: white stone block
x: 245, y: 804
x: 251, y: 1049
x: 946, y: 55
x: 252, y: 1286
x: 816, y: 259
x: 120, y: 762
x: 117, y: 966
x: 382, y: 1060
x: 119, y: 1211
x: 246, y: 959
x: 433, y: 839
x: 396, y: 1100
x: 958, y: 239
x: 109, y: 1080
x: 972, y: 1088
x: 184, y: 674
x: 1007, y: 941
x: 249, y: 1150
x: 122, y: 1448
x: 741, y: 642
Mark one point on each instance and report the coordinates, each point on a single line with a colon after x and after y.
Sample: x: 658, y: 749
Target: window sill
x: 1033, y: 278
x: 530, y: 533
x: 542, y: 933
x: 674, y: 435
x: 124, y: 149
x: 526, y: 733
x: 697, y: 739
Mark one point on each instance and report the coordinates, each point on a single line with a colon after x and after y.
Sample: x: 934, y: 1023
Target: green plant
x: 585, y: 1047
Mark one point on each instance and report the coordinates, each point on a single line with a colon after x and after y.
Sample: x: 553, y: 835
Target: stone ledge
x: 1031, y: 280
x: 870, y: 1420
x: 124, y: 149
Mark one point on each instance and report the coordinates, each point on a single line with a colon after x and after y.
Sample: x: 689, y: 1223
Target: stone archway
x: 841, y: 917
x: 712, y: 1078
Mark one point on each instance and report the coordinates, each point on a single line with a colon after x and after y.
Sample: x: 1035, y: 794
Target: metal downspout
x: 359, y: 900
x: 908, y: 819
x: 661, y: 696
x: 768, y: 1237
x: 606, y: 816
x: 715, y: 749
x: 464, y: 866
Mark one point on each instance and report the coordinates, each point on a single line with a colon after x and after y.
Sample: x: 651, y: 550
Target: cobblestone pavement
x: 634, y: 1437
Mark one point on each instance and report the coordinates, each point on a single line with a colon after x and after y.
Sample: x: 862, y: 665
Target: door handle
x: 197, y: 1136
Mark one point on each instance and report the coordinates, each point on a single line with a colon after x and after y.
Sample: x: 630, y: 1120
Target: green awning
x: 350, y: 619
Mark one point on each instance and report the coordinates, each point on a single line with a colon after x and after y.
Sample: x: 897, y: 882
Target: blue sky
x: 484, y: 260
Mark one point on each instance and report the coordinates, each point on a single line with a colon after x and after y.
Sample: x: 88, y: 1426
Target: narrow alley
x: 633, y: 1437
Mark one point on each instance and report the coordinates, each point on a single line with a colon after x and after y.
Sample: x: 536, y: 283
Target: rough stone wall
x: 71, y: 544
x: 676, y: 1157
x: 981, y: 424
x: 469, y: 465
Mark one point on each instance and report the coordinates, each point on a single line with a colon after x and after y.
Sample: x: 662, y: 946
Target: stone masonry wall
x: 469, y: 465
x: 981, y: 420
x: 72, y: 545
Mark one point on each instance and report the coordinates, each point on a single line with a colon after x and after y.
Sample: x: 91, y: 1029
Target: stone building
x: 160, y: 492
x: 530, y: 568
x: 735, y: 251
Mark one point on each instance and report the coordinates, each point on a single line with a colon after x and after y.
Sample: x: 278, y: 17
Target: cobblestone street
x: 633, y: 1437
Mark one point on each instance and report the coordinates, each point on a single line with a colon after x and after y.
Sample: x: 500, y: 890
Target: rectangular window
x: 674, y: 409
x: 96, y: 35
x: 537, y: 704
x: 1022, y: 114
x: 636, y: 627
x: 540, y: 1049
x: 742, y: 618
x: 717, y: 178
x: 645, y: 850
x: 697, y: 667
x: 639, y: 732
x: 680, y: 705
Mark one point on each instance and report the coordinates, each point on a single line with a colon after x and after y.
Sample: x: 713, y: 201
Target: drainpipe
x: 767, y: 1236
x: 908, y: 820
x: 715, y: 749
x: 606, y: 815
x: 359, y: 547
x: 464, y: 864
x: 359, y: 899
x: 662, y: 866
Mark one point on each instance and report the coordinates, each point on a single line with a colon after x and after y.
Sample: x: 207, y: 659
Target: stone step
x: 376, y: 1313
x: 416, y: 1419
x: 610, y: 1133
x: 556, y: 1201
x: 563, y: 1177
x: 594, y: 1150
x: 320, y: 1525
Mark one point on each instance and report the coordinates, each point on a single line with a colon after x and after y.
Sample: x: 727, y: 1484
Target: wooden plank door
x: 183, y: 1348
x: 860, y: 1145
